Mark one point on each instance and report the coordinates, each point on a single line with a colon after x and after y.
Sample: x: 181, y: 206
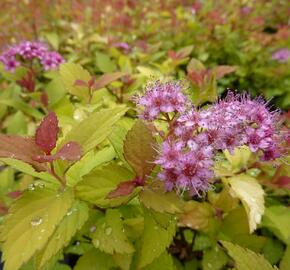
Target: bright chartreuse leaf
x: 164, y: 261
x: 110, y: 235
x: 156, y: 237
x: 239, y: 158
x: 139, y: 149
x: 74, y: 219
x: 277, y: 219
x: 246, y: 259
x: 159, y: 200
x: 94, y: 129
x: 55, y: 90
x: 70, y: 72
x: 105, y: 63
x: 94, y: 260
x: 17, y: 124
x: 88, y: 162
x: 285, y: 262
x: 251, y: 193
x: 32, y: 220
x: 214, y: 259
x: 95, y: 186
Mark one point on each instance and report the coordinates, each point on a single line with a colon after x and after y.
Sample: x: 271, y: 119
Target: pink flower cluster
x: 161, y: 98
x: 195, y: 136
x: 281, y: 55
x: 27, y: 51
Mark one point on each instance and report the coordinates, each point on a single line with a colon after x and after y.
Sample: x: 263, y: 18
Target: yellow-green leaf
x: 31, y: 221
x: 251, y: 193
x: 110, y: 235
x: 74, y: 219
x: 70, y: 72
x: 246, y: 259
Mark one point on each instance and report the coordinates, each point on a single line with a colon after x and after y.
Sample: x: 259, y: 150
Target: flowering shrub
x: 122, y: 147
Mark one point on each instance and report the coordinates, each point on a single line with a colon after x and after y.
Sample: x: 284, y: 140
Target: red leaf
x: 44, y: 99
x: 14, y: 194
x: 221, y: 71
x: 80, y: 83
x: 283, y: 182
x: 70, y: 152
x: 123, y: 189
x: 17, y: 147
x: 107, y: 79
x: 46, y: 133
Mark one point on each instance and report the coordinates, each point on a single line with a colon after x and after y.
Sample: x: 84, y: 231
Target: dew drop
x: 108, y: 231
x: 69, y: 212
x: 209, y: 265
x: 36, y: 221
x: 42, y: 230
x: 78, y: 243
x: 31, y: 187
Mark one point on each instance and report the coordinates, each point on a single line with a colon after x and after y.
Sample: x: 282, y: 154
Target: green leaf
x: 99, y: 183
x: 239, y: 159
x: 94, y: 129
x: 31, y: 221
x: 251, y: 193
x: 75, y: 218
x: 138, y: 149
x: 55, y: 90
x: 164, y: 261
x: 155, y: 239
x: 104, y: 63
x: 91, y: 160
x: 110, y: 235
x: 214, y: 259
x: 71, y: 72
x: 106, y: 79
x: 273, y: 250
x: 246, y: 259
x: 20, y: 105
x: 159, y: 200
x: 123, y: 260
x: 95, y: 260
x: 285, y: 262
x: 277, y: 219
x: 17, y: 124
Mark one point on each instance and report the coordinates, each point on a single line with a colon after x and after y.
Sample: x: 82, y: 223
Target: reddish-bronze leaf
x: 139, y: 149
x: 46, y: 133
x: 17, y: 147
x: 14, y: 194
x: 107, y: 79
x: 80, y: 83
x: 70, y: 152
x: 221, y: 71
x: 123, y: 189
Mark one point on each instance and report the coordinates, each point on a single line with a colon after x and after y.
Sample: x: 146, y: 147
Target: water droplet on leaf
x: 36, y: 221
x: 108, y: 231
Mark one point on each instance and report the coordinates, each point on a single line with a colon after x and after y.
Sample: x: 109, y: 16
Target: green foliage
x: 31, y: 222
x: 246, y: 259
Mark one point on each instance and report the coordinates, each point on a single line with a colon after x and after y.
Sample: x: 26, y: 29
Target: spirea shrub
x: 135, y: 182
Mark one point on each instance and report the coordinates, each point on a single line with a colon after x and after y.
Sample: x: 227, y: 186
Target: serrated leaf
x: 88, y: 162
x: 214, y: 259
x: 71, y: 72
x: 159, y: 200
x: 94, y: 260
x: 196, y: 215
x: 95, y: 128
x: 17, y: 147
x: 251, y: 193
x: 164, y: 261
x: 246, y: 259
x: 32, y: 220
x: 99, y: 183
x: 110, y: 235
x: 277, y: 219
x: 46, y: 133
x: 155, y: 239
x: 138, y: 149
x: 71, y: 151
x: 74, y: 219
x: 106, y: 79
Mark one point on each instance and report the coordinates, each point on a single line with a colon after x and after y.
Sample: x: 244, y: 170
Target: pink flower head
x: 161, y: 98
x: 51, y: 60
x: 281, y: 55
x: 28, y: 51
